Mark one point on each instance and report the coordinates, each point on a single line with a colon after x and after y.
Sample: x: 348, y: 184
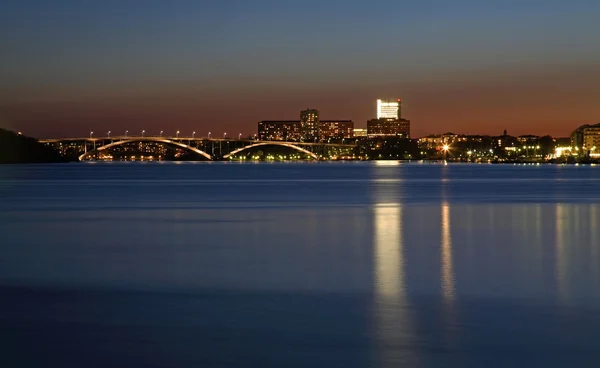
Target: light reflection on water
x: 404, y: 264
x: 447, y: 272
x: 562, y: 228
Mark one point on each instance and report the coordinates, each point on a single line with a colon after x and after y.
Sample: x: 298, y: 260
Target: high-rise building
x: 389, y: 109
x: 336, y: 129
x: 309, y: 124
x: 279, y: 130
x: 388, y: 127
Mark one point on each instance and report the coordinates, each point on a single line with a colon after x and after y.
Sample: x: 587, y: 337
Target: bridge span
x: 129, y: 147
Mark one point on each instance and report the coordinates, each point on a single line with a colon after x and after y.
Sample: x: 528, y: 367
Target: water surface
x: 299, y: 265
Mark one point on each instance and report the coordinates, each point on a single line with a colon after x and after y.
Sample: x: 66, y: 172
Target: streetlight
x: 445, y: 148
x: 143, y: 131
x: 127, y: 131
x: 209, y: 133
x: 240, y: 136
x: 161, y: 132
x: 193, y: 135
x: 177, y: 135
x: 109, y: 134
x: 224, y: 135
x: 91, y: 135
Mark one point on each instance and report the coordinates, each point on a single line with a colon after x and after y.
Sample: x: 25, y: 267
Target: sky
x: 478, y: 67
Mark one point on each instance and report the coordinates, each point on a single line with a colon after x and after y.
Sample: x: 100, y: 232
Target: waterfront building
x: 336, y: 129
x: 309, y: 124
x: 587, y: 139
x: 388, y: 127
x: 279, y: 130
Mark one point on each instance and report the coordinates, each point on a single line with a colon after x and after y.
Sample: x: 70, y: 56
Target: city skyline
x: 70, y: 67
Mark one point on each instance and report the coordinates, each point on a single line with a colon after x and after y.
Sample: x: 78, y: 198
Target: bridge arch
x: 150, y: 139
x: 274, y: 143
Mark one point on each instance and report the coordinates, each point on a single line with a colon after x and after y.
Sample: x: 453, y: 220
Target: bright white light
x: 446, y: 147
x: 387, y: 109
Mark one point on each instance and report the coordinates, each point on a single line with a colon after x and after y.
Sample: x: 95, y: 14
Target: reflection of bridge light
x: 447, y: 271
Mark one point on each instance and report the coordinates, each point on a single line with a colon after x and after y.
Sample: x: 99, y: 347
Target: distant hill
x: 16, y: 148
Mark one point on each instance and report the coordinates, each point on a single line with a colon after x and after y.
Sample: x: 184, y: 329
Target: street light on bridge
x: 143, y: 131
x: 177, y: 135
x: 127, y: 131
x: 209, y: 133
x: 240, y: 136
x: 224, y: 135
x: 193, y: 135
x: 161, y: 132
x: 91, y: 135
x: 109, y: 134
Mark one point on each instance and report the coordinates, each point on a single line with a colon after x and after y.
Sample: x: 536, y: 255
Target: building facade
x: 587, y: 138
x: 359, y: 132
x: 336, y: 129
x: 279, y: 130
x: 388, y: 127
x: 389, y: 109
x: 309, y: 124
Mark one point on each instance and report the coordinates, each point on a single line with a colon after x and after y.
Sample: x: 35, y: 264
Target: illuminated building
x: 279, y: 130
x: 587, y: 138
x: 389, y: 109
x: 388, y: 127
x: 336, y: 129
x: 309, y: 124
x: 359, y: 132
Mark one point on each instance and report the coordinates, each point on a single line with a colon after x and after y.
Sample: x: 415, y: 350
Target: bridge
x: 196, y: 148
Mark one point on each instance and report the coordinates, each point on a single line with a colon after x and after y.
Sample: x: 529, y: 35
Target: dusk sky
x: 466, y: 66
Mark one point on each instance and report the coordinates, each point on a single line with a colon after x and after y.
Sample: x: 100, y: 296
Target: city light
x: 388, y: 109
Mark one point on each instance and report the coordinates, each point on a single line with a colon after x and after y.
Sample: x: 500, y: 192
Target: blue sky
x: 64, y: 51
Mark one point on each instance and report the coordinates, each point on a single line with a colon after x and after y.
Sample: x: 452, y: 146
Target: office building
x: 279, y: 130
x: 309, y: 124
x: 388, y: 127
x: 359, y: 132
x: 336, y: 129
x: 389, y: 109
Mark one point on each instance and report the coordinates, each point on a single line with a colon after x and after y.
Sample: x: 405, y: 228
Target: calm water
x: 299, y: 265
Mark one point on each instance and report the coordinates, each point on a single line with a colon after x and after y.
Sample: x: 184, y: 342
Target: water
x: 299, y: 265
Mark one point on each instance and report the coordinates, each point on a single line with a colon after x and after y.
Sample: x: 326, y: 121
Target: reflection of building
x: 279, y: 130
x: 586, y: 137
x: 359, y: 132
x: 336, y: 129
x: 309, y: 124
x: 389, y: 109
x: 388, y: 127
